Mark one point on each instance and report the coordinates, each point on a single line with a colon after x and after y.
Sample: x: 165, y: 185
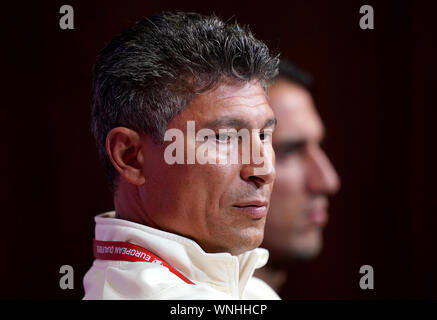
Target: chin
x: 306, y: 253
x: 307, y: 249
x: 247, y: 241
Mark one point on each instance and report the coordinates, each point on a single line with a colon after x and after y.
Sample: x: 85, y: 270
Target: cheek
x: 290, y: 177
x: 164, y: 191
x: 219, y: 180
x: 202, y: 188
x: 288, y: 195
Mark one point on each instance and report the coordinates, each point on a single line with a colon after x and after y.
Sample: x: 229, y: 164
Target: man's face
x: 305, y: 176
x: 222, y: 207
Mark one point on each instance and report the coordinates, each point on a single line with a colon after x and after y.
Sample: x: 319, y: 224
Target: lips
x: 256, y: 209
x: 318, y: 216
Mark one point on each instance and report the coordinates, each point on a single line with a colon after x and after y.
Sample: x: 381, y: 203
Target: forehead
x: 240, y: 101
x: 294, y: 108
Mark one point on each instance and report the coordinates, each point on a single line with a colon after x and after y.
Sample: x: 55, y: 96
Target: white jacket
x: 215, y: 275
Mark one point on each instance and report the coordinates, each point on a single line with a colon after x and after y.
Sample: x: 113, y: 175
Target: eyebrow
x: 289, y: 145
x: 224, y: 122
x: 271, y: 122
x: 294, y: 143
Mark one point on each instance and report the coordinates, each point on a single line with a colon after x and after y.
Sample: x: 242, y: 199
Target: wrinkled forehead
x: 243, y: 101
x: 248, y: 93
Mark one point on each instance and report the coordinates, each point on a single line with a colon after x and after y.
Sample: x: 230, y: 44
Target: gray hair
x: 149, y: 73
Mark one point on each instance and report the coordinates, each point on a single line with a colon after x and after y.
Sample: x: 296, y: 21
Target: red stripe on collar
x: 125, y: 251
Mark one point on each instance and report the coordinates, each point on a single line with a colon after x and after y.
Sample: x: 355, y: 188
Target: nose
x: 261, y: 168
x: 321, y: 175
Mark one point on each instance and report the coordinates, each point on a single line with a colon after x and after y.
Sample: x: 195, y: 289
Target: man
x: 182, y: 229
x: 305, y: 176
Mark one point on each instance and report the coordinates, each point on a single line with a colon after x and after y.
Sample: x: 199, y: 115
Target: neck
x: 128, y: 206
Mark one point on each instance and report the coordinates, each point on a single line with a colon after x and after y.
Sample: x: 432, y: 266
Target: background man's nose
x: 321, y: 175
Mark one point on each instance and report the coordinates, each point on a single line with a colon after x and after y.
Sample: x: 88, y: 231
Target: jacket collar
x: 223, y: 271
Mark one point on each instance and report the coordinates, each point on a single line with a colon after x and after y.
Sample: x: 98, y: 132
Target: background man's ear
x: 123, y: 146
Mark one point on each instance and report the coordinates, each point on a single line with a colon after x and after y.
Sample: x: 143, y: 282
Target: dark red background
x: 374, y: 91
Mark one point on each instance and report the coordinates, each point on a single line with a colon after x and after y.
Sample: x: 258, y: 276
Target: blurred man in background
x: 304, y: 176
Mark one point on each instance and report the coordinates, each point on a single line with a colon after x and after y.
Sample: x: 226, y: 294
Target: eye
x: 266, y: 135
x: 222, y: 137
x: 288, y: 149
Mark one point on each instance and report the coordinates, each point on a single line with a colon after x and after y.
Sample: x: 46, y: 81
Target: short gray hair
x: 149, y: 73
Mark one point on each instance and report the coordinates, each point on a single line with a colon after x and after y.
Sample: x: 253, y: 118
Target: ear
x: 123, y: 146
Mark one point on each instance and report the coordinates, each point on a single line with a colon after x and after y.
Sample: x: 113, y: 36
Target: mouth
x: 318, y: 217
x: 256, y: 209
